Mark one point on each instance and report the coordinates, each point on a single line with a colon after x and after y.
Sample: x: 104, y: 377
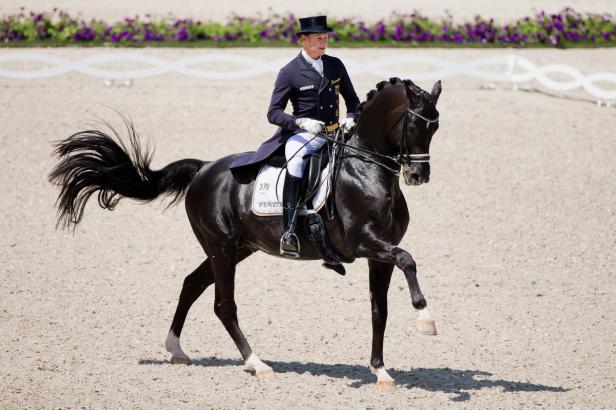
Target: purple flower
x: 573, y: 36
x: 559, y: 26
x: 426, y: 37
x: 397, y: 34
x: 85, y: 34
x: 182, y: 34
x: 149, y: 35
x: 36, y: 17
x: 15, y: 36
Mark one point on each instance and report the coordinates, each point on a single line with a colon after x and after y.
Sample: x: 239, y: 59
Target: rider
x: 312, y: 81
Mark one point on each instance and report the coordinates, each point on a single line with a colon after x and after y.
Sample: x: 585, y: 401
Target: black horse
x: 392, y: 136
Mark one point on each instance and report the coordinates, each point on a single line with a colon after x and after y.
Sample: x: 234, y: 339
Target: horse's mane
x: 380, y: 86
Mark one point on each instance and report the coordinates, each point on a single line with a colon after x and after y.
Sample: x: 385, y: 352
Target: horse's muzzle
x: 416, y: 175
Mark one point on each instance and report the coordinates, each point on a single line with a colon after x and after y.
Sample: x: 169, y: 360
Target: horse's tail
x: 92, y: 161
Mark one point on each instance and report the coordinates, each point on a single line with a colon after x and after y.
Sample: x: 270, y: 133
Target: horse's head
x: 419, y: 122
x: 400, y: 119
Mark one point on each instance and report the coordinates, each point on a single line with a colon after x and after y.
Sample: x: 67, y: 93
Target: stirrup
x: 288, y: 251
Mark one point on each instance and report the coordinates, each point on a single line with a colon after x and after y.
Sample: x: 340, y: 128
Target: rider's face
x: 314, y: 44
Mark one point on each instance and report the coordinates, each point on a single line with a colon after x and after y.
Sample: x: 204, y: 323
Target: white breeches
x: 297, y: 147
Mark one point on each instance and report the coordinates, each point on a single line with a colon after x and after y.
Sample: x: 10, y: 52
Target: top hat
x: 314, y: 24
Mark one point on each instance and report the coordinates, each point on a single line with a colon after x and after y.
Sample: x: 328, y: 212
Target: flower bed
x: 567, y: 28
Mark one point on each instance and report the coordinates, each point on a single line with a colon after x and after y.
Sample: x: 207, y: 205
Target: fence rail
x: 507, y: 68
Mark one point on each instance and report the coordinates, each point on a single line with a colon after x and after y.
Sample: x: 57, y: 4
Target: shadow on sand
x: 445, y: 380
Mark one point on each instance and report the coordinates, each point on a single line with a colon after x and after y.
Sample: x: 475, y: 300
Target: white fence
x: 507, y: 68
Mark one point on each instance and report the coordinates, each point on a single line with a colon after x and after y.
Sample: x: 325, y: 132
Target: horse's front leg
x: 380, y: 276
x: 388, y: 253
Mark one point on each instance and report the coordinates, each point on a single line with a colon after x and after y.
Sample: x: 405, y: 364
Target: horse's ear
x: 436, y: 91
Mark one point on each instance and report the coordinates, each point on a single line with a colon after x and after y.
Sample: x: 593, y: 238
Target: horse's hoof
x: 181, y: 360
x: 426, y: 327
x: 259, y: 369
x: 386, y: 385
x: 267, y: 374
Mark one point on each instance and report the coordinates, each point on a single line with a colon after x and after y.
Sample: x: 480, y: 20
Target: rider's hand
x: 347, y: 124
x: 310, y: 125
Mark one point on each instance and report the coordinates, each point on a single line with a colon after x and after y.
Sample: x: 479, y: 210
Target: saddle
x: 317, y: 187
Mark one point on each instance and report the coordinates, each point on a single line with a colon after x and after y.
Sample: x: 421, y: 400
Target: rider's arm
x: 348, y: 92
x: 280, y: 97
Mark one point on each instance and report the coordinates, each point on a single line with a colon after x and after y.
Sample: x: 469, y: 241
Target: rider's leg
x: 313, y: 223
x: 291, y: 197
x: 297, y: 147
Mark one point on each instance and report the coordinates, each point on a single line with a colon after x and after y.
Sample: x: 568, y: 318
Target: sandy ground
x: 514, y: 238
x: 218, y: 10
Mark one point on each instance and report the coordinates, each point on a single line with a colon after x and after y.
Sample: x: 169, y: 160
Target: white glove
x: 346, y: 124
x: 310, y: 125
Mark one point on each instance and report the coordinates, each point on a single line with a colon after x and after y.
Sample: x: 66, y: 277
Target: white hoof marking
x: 260, y: 369
x: 424, y: 323
x: 384, y: 382
x: 172, y: 344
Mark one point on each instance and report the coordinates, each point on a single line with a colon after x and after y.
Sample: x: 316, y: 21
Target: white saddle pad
x: 267, y: 202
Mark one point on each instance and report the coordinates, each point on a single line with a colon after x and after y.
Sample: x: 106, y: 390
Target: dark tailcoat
x: 312, y: 96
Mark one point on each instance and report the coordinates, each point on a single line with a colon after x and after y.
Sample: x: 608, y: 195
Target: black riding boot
x: 291, y: 197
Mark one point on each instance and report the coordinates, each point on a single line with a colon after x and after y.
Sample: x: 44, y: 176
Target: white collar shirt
x: 317, y: 64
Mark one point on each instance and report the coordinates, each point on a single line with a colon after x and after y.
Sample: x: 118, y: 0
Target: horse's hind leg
x: 194, y: 285
x: 225, y: 308
x: 380, y: 276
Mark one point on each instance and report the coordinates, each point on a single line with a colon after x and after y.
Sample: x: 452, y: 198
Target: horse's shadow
x: 450, y: 381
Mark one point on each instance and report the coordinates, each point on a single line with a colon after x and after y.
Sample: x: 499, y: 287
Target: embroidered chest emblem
x: 306, y: 87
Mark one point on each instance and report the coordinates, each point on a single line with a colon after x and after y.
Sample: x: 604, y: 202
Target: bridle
x: 404, y: 159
